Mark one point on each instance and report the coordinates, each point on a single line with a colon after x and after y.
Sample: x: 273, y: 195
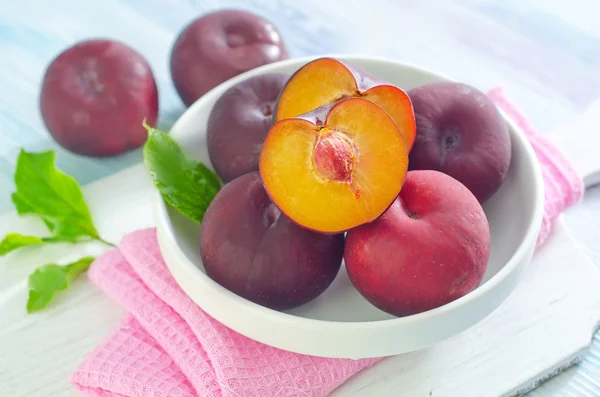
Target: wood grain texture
x: 545, y: 52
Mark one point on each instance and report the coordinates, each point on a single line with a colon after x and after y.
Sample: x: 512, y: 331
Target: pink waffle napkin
x: 167, y: 346
x: 563, y: 188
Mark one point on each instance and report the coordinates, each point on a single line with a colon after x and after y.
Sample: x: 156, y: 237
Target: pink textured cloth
x: 168, y: 347
x: 563, y: 188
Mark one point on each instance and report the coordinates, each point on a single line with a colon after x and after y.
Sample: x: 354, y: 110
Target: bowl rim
x: 166, y: 228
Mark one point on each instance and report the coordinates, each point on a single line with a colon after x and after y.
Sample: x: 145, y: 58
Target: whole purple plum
x: 239, y: 122
x: 218, y: 46
x: 250, y: 248
x: 460, y: 132
x: 95, y: 95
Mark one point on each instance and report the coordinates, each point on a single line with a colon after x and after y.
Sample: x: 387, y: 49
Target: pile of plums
x: 328, y: 164
x: 333, y: 164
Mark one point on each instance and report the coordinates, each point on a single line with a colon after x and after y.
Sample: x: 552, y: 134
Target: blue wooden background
x: 546, y: 53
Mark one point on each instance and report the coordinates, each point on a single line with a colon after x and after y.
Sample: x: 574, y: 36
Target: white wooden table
x: 545, y: 52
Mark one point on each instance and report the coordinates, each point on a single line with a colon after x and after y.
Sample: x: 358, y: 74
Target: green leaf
x: 24, y: 209
x: 45, y: 191
x: 185, y: 184
x: 47, y: 280
x: 13, y: 241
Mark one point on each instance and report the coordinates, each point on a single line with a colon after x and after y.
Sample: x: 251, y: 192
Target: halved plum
x: 327, y: 80
x: 335, y: 168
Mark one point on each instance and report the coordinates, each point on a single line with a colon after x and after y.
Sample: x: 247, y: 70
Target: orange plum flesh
x: 325, y: 81
x: 335, y: 168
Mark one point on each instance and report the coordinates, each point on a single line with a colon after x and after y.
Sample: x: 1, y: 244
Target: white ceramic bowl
x: 340, y: 323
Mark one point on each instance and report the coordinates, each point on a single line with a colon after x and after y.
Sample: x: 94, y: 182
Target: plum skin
x: 250, y: 248
x: 429, y: 248
x: 239, y: 122
x: 218, y: 46
x: 460, y: 132
x: 94, y: 97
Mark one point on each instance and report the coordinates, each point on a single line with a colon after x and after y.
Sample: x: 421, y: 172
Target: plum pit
x: 334, y: 157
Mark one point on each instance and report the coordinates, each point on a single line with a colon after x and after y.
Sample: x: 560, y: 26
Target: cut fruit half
x: 335, y: 168
x: 327, y: 80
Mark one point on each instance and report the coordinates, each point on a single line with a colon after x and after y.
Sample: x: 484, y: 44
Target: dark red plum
x: 460, y: 132
x: 253, y: 250
x: 429, y: 248
x: 239, y: 122
x: 218, y: 46
x: 94, y: 97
